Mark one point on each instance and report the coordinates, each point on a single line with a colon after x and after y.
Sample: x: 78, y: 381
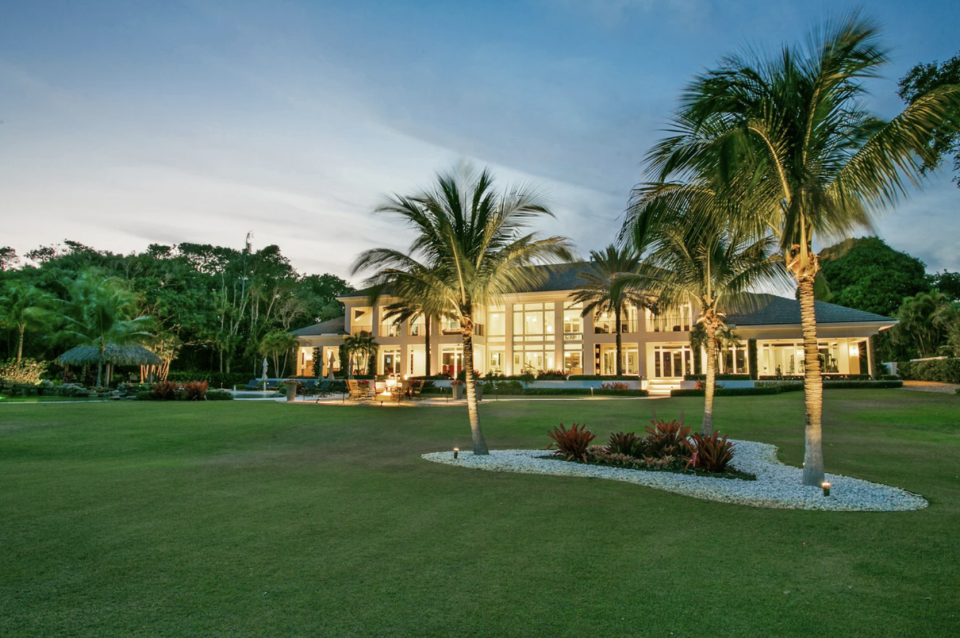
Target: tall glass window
x: 673, y: 319
x: 388, y: 327
x: 533, y: 322
x: 572, y: 322
x: 497, y: 324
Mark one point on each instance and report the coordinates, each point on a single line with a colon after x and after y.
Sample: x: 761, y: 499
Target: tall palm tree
x: 713, y: 266
x: 791, y: 133
x: 469, y: 249
x: 101, y: 311
x: 603, y: 289
x: 412, y: 310
x: 24, y: 306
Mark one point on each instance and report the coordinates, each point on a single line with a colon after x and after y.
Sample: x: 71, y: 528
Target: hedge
x: 215, y: 379
x: 826, y: 377
x: 779, y: 388
x: 545, y: 392
x: 598, y: 377
x: 942, y: 370
x: 719, y: 377
x: 729, y: 392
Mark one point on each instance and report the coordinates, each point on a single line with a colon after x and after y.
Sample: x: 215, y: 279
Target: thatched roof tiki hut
x: 133, y: 355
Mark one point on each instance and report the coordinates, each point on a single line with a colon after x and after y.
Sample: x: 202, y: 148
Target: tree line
x: 211, y: 309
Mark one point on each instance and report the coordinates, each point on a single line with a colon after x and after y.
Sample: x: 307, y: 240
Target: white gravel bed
x: 777, y: 485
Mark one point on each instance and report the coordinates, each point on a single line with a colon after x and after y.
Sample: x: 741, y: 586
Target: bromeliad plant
x: 627, y: 443
x: 668, y: 446
x: 573, y: 443
x: 667, y: 438
x: 710, y: 453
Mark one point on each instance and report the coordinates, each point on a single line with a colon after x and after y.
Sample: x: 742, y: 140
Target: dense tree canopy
x: 869, y: 275
x: 212, y: 305
x: 919, y: 81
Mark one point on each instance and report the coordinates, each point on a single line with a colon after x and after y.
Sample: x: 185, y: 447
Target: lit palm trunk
x: 710, y: 326
x: 813, y: 468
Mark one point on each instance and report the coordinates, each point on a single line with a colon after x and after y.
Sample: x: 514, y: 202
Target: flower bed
x: 776, y: 485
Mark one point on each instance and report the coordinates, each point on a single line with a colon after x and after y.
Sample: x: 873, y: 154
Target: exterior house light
x: 854, y: 350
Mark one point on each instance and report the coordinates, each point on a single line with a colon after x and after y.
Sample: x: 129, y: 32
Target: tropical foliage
x: 790, y: 139
x: 609, y: 286
x: 919, y: 82
x: 469, y: 249
x: 713, y: 265
x: 211, y: 305
x: 101, y: 312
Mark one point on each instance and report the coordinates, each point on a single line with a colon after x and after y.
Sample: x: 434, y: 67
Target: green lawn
x: 265, y: 519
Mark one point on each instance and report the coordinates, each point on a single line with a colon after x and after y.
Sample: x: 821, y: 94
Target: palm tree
x: 24, y: 306
x: 710, y: 265
x: 100, y: 311
x: 792, y: 135
x: 468, y: 251
x: 275, y: 344
x: 360, y: 347
x: 603, y: 289
x: 412, y: 310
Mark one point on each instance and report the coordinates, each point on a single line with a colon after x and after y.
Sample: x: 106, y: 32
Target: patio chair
x: 355, y: 392
x: 416, y: 388
x: 323, y: 389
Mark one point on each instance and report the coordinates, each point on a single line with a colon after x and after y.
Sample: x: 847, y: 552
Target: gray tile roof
x: 770, y: 310
x: 558, y: 277
x: 331, y: 327
x: 765, y: 310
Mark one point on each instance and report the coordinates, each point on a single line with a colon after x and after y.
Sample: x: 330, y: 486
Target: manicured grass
x: 266, y: 519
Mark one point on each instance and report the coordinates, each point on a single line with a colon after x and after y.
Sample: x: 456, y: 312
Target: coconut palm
x: 603, y: 289
x: 469, y: 249
x: 277, y: 344
x: 23, y: 306
x: 360, y: 347
x: 791, y: 133
x: 712, y: 266
x: 100, y: 312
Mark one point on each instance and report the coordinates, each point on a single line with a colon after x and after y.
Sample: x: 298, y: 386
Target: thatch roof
x: 117, y: 355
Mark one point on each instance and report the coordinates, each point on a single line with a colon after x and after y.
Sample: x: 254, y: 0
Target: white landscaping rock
x: 777, y: 485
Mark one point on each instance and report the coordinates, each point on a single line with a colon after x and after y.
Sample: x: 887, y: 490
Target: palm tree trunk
x: 711, y: 329
x: 479, y: 444
x: 426, y: 345
x: 99, y: 371
x: 20, y: 346
x: 812, y: 385
x: 619, y: 366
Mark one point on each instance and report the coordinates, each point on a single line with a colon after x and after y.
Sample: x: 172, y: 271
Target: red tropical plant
x: 572, y: 443
x: 627, y: 443
x: 195, y: 390
x: 164, y: 391
x: 710, y: 453
x: 667, y: 438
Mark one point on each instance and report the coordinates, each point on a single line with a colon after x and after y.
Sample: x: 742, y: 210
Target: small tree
x: 603, y: 289
x: 25, y: 307
x: 100, y: 311
x: 276, y: 345
x: 359, y: 349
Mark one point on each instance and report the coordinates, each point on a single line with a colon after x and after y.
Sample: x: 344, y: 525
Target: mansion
x: 542, y: 330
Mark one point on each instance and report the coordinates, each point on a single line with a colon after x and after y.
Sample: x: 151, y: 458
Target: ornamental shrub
x: 942, y: 370
x: 573, y: 443
x: 28, y: 372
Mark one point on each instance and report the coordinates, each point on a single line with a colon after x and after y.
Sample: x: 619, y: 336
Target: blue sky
x: 134, y: 122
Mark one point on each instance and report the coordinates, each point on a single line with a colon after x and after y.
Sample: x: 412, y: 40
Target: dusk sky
x: 136, y: 122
